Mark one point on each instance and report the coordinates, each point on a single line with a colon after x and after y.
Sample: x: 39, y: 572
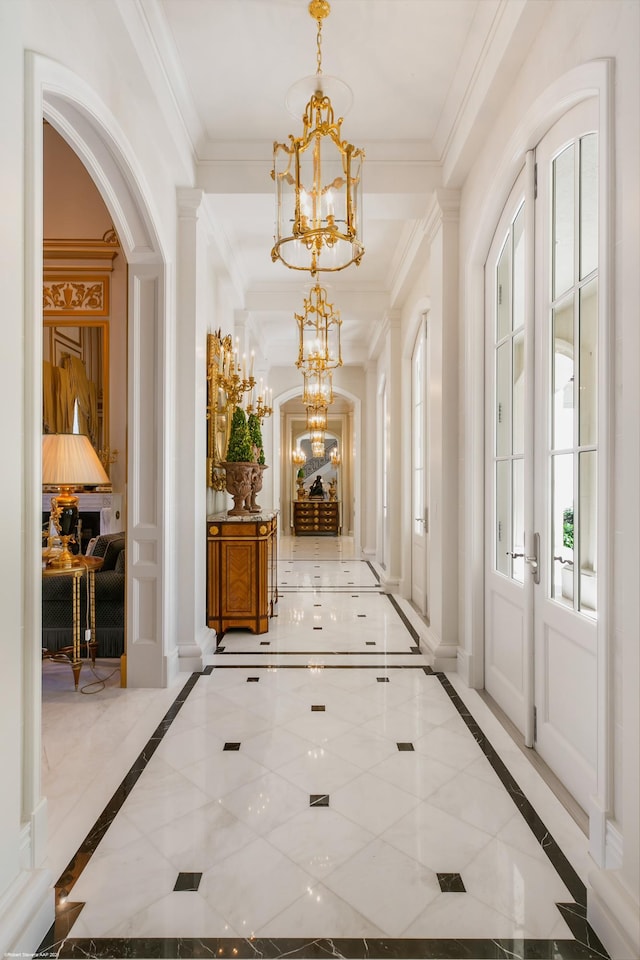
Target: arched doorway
x: 344, y: 425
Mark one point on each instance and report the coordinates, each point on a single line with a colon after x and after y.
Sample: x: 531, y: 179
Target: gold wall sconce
x: 227, y: 381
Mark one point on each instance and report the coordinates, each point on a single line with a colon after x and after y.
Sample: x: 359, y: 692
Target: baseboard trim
x: 27, y: 911
x: 613, y: 913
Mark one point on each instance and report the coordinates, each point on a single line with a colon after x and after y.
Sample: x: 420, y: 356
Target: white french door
x: 542, y: 453
x: 419, y: 473
x: 508, y: 313
x: 384, y: 485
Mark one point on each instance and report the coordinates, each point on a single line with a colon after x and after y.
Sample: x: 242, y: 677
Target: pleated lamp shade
x: 69, y: 460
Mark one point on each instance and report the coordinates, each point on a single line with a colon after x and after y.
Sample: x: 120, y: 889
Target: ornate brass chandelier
x: 319, y: 346
x: 317, y: 443
x: 316, y: 418
x: 318, y: 389
x: 318, y: 183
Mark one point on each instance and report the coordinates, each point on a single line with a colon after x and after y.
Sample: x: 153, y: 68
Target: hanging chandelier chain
x: 319, y: 49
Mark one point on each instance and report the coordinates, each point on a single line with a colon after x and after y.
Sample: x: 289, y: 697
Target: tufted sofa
x: 57, y: 613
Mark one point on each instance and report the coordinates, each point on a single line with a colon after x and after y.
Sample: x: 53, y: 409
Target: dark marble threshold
x: 315, y: 666
x: 277, y: 948
x: 370, y: 589
x: 223, y: 651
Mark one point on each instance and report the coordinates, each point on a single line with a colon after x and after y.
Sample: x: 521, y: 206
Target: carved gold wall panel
x: 78, y: 295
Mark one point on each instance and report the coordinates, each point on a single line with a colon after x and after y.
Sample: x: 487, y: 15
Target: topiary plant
x: 239, y: 450
x: 255, y: 433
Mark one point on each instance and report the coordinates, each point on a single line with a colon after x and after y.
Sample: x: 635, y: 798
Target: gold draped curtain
x: 63, y: 387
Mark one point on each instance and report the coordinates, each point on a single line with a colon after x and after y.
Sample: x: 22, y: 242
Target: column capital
x: 189, y: 202
x: 444, y: 208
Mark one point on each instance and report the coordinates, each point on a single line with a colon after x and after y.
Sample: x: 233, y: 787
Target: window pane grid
x: 574, y: 378
x: 509, y: 403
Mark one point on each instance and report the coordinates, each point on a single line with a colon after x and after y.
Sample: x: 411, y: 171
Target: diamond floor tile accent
x: 188, y: 881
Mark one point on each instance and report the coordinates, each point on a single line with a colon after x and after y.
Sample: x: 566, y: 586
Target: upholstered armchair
x: 57, y: 612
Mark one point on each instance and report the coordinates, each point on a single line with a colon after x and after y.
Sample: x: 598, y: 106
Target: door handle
x: 514, y: 556
x: 533, y: 559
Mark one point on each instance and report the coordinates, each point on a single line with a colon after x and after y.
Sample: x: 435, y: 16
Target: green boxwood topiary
x: 239, y: 450
x: 255, y: 433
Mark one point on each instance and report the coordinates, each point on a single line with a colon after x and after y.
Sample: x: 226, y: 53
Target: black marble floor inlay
x: 373, y: 570
x: 404, y: 746
x: 319, y: 948
x: 562, y: 866
x: 188, y: 881
x: 318, y: 799
x: 396, y: 606
x: 318, y: 707
x: 317, y: 628
x: 253, y: 679
x: 451, y: 883
x: 370, y: 643
x: 382, y: 679
x: 265, y: 643
x: 231, y: 746
x: 66, y: 910
x: 362, y: 614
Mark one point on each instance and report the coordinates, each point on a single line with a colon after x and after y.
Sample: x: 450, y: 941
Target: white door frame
x: 423, y: 543
x: 281, y: 455
x: 55, y: 93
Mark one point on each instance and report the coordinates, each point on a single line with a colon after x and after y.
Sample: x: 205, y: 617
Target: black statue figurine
x: 317, y: 489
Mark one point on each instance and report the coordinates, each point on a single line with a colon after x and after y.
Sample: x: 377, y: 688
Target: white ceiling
x: 415, y: 67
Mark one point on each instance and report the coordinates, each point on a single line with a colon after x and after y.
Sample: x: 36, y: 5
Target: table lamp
x: 68, y: 461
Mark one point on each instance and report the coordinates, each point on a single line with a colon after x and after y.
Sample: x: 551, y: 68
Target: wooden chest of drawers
x: 242, y: 581
x: 316, y: 517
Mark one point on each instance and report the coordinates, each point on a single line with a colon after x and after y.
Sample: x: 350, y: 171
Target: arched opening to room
x: 334, y: 468
x: 84, y: 348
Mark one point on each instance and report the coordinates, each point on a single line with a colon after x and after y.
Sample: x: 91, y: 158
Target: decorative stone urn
x: 256, y: 487
x: 238, y: 479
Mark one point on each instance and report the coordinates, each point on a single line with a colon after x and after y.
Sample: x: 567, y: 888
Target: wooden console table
x: 242, y: 583
x: 316, y: 517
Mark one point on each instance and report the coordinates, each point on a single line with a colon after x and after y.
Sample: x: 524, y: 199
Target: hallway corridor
x: 318, y: 791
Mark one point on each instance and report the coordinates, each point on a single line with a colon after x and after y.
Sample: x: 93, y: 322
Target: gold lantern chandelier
x: 316, y: 418
x: 317, y: 438
x: 318, y: 178
x: 317, y: 390
x: 319, y: 346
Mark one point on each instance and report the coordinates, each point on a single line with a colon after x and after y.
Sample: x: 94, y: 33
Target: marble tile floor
x: 319, y: 797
